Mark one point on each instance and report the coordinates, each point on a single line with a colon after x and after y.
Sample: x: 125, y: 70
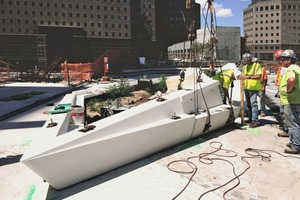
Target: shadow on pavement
x: 16, y: 125
x: 10, y: 159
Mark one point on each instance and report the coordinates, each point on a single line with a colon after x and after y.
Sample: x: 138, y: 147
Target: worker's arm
x: 290, y: 84
x: 251, y: 76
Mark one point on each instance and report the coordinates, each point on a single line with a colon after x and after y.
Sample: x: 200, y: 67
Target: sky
x: 228, y: 12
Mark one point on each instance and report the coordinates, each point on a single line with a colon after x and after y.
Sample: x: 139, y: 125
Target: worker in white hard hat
x: 290, y: 97
x: 251, y: 76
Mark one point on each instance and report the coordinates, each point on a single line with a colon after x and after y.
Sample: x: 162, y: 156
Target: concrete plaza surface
x: 17, y: 97
x: 276, y: 177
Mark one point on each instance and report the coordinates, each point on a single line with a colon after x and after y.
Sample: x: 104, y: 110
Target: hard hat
x: 247, y: 56
x: 288, y: 53
x: 278, y: 53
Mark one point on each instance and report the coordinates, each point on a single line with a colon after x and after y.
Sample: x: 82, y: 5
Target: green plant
x: 96, y: 104
x: 120, y: 89
x: 162, y: 85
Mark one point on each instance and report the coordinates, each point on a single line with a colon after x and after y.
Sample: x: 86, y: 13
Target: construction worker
x: 182, y: 77
x: 290, y: 97
x: 262, y: 93
x: 280, y: 73
x: 226, y: 78
x: 251, y: 76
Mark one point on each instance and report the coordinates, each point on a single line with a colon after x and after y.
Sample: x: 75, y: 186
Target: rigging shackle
x: 210, y: 6
x: 188, y: 4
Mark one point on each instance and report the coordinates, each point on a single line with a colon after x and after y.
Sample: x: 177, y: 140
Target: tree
x: 201, y: 51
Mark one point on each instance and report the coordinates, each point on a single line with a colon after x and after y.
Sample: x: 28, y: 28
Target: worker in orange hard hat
x: 280, y: 73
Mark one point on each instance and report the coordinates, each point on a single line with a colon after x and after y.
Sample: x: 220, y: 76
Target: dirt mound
x: 137, y: 98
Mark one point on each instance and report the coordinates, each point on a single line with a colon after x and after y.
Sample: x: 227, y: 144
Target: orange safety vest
x: 278, y: 77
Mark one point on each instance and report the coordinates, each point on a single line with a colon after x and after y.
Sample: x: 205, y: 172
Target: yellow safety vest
x: 225, y: 77
x: 252, y: 70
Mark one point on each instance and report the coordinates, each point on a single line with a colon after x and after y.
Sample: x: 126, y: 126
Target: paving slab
x: 18, y: 97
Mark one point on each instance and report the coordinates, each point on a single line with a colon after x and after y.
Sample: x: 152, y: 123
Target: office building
x: 36, y: 32
x: 270, y: 25
x: 228, y: 48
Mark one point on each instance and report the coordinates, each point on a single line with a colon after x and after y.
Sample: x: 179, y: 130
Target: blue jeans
x: 281, y: 114
x: 291, y: 113
x: 262, y: 96
x: 251, y: 104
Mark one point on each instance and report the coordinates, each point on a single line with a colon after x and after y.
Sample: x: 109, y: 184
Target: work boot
x: 283, y: 134
x: 292, y: 150
x: 289, y: 144
x: 248, y: 121
x: 262, y: 114
x: 253, y: 125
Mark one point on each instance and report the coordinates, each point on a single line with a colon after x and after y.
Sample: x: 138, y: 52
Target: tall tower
x: 271, y: 25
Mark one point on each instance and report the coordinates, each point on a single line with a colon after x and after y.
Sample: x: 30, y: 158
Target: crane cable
x: 208, y: 7
x: 214, y: 48
x: 191, y: 28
